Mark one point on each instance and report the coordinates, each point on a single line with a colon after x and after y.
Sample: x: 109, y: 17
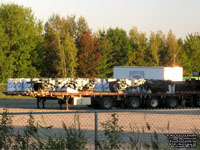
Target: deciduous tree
x: 89, y: 56
x: 139, y: 46
x: 191, y: 54
x: 172, y: 50
x: 24, y: 32
x: 60, y: 48
x: 120, y: 46
x: 156, y: 47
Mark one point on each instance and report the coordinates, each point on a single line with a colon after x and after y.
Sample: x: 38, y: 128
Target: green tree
x: 52, y: 60
x: 70, y: 55
x: 172, y: 50
x: 76, y: 27
x: 139, y: 45
x: 60, y: 48
x: 120, y: 46
x: 24, y: 32
x: 82, y: 27
x: 156, y: 46
x: 6, y: 61
x: 105, y: 64
x: 71, y: 25
x: 191, y: 54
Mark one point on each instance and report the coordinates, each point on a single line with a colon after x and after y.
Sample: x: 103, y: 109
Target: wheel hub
x: 135, y: 103
x: 154, y: 102
x: 173, y: 102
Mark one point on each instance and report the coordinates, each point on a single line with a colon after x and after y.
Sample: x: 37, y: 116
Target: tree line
x: 67, y: 47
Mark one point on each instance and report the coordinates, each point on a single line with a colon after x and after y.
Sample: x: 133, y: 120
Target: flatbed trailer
x: 107, y: 100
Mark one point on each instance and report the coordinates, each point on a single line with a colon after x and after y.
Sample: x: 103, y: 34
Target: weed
x: 197, y: 132
x: 134, y: 139
x: 75, y: 138
x: 6, y: 131
x: 113, y: 133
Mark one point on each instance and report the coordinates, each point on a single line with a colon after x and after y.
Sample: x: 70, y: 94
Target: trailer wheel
x: 153, y: 103
x: 197, y: 101
x: 106, y: 103
x: 172, y: 102
x: 134, y: 102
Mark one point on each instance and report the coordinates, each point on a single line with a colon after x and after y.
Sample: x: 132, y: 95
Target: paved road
x: 27, y: 105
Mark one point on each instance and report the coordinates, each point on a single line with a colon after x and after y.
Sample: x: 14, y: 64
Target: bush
x: 36, y: 136
x: 74, y: 137
x: 6, y: 131
x: 113, y: 133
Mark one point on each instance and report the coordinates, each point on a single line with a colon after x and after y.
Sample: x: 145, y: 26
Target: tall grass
x: 35, y: 137
x: 39, y: 137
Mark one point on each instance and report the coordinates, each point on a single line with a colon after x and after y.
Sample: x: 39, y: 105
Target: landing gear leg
x: 38, y: 102
x: 66, y: 98
x: 60, y: 105
x: 60, y: 102
x: 43, y: 102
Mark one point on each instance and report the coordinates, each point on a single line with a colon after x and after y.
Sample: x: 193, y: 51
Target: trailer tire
x: 106, y: 103
x: 172, y: 102
x: 197, y: 101
x: 153, y: 102
x: 134, y: 102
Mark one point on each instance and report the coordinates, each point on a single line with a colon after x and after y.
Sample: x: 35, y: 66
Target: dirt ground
x: 162, y: 121
x: 146, y: 122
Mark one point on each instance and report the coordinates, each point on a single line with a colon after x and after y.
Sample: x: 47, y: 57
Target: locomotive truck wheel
x: 134, y: 102
x: 106, y: 103
x: 197, y: 101
x: 172, y: 102
x: 153, y: 103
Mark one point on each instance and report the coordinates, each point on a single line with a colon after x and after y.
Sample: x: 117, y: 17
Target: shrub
x: 6, y: 131
x: 75, y: 138
x: 36, y: 136
x: 113, y: 133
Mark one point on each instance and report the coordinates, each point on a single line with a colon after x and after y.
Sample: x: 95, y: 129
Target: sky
x: 181, y: 16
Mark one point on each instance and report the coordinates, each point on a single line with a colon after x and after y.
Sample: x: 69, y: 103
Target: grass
x: 6, y: 97
x: 3, y: 88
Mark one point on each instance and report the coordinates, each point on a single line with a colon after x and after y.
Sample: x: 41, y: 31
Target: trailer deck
x: 153, y: 100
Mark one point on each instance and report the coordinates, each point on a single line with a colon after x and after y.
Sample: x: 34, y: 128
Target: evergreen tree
x: 106, y: 62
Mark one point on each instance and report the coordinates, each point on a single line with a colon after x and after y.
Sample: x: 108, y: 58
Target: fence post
x: 96, y: 130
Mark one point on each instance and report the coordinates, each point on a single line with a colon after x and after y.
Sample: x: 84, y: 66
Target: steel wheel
x: 106, y: 103
x: 172, y: 102
x: 153, y: 103
x: 134, y: 102
x: 197, y: 101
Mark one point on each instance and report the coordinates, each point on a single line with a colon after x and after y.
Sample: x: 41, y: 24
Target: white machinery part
x: 155, y: 73
x: 14, y: 85
x: 82, y: 101
x: 26, y: 85
x: 102, y: 86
